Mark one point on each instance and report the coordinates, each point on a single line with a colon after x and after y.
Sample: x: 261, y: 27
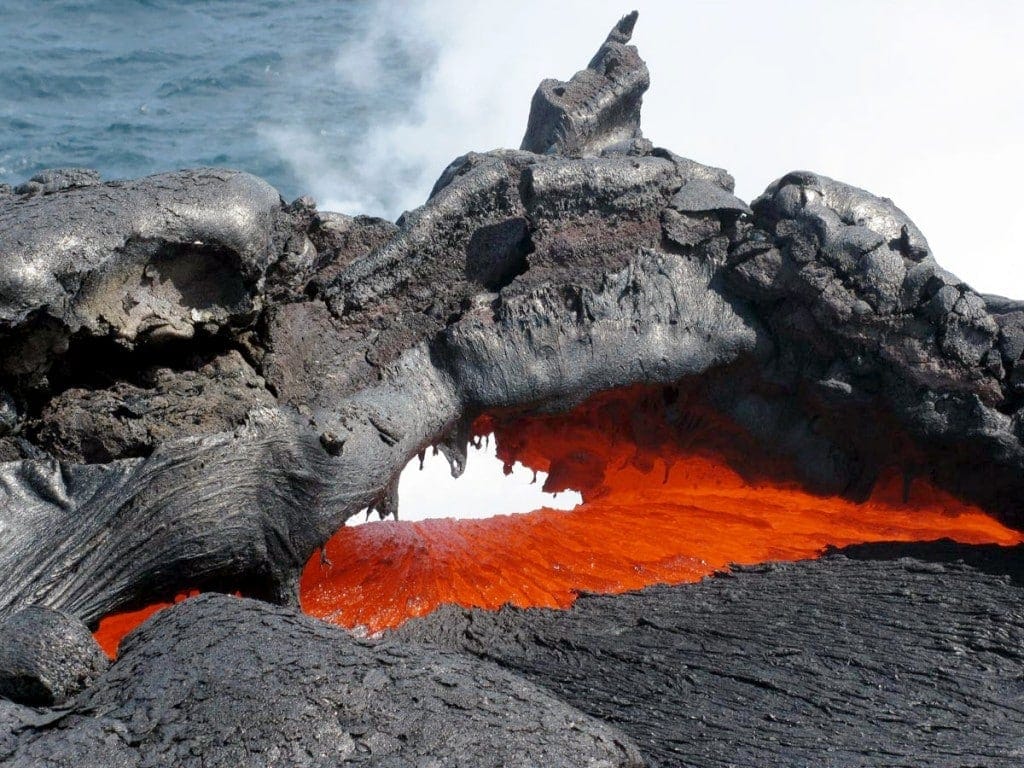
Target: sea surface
x: 132, y: 87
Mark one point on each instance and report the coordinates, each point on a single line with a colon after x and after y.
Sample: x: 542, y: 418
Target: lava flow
x: 670, y: 493
x: 662, y: 503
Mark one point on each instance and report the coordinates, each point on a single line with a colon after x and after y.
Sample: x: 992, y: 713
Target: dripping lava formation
x: 200, y: 383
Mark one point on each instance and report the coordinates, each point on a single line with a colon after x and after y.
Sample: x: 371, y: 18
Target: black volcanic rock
x: 220, y: 681
x: 57, y: 179
x: 306, y: 356
x: 599, y: 108
x: 902, y: 656
x: 131, y: 417
x: 154, y: 258
x: 515, y: 256
x: 46, y: 657
x: 862, y: 315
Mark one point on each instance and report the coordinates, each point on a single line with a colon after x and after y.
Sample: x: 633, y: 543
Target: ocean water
x: 132, y: 87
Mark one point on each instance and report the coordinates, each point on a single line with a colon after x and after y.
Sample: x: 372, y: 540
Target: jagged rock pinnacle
x: 599, y: 108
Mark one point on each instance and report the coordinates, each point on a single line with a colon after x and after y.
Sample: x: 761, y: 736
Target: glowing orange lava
x: 662, y: 504
x: 671, y: 493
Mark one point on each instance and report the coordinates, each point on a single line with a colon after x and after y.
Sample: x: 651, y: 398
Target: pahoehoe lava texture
x: 199, y: 383
x: 225, y: 682
x: 46, y: 657
x: 833, y: 662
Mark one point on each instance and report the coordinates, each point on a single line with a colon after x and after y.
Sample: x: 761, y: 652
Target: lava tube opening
x: 672, y: 491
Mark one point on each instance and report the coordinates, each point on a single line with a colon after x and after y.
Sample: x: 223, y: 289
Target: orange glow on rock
x: 663, y: 503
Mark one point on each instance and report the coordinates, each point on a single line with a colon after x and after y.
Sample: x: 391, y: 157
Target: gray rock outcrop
x: 880, y: 655
x: 221, y: 682
x: 46, y: 657
x: 198, y: 372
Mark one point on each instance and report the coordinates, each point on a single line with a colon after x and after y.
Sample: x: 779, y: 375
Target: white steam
x: 482, y: 64
x: 919, y: 101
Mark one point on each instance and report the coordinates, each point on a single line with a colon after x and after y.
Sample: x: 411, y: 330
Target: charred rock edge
x: 527, y: 280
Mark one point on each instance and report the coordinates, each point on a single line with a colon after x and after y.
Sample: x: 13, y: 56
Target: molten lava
x: 663, y: 503
x: 112, y: 629
x: 671, y: 492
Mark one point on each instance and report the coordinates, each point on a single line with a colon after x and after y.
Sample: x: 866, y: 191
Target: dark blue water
x: 131, y: 87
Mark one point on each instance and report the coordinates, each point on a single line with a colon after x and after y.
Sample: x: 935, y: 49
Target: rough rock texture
x: 200, y: 383
x: 883, y: 660
x: 863, y: 317
x: 131, y: 419
x: 525, y: 279
x: 46, y: 657
x: 341, y: 239
x: 148, y: 259
x: 57, y: 179
x: 221, y: 681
